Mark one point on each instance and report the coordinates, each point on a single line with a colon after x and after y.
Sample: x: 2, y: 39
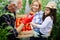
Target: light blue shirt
x: 37, y: 19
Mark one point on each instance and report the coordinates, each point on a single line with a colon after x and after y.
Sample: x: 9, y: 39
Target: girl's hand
x: 33, y: 24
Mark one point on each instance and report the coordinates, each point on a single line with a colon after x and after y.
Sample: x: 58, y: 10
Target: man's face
x: 12, y: 7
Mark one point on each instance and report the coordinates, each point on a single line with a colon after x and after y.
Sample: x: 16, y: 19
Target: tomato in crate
x: 28, y: 27
x: 20, y: 21
x: 23, y: 29
x: 17, y: 22
x: 26, y: 30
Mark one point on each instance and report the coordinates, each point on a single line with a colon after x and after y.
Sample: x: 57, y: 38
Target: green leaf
x: 9, y: 27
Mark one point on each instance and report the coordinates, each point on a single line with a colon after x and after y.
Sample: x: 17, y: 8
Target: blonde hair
x: 38, y: 3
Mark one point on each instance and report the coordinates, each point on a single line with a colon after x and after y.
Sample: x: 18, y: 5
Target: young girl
x: 49, y: 19
x: 36, y: 5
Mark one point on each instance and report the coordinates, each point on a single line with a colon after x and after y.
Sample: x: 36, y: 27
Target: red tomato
x: 26, y: 28
x: 23, y: 29
x: 17, y: 22
x: 31, y: 13
x: 29, y: 28
x: 20, y: 18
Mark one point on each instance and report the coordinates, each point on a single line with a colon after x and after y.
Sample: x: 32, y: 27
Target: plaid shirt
x: 37, y: 19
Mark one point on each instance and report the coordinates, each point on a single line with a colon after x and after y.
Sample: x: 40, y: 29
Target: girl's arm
x: 44, y: 24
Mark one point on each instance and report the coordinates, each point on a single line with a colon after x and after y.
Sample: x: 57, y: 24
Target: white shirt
x: 46, y: 26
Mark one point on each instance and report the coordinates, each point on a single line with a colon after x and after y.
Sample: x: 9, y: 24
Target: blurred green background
x: 55, y: 35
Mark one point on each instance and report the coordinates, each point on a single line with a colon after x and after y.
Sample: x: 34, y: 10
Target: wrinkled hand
x: 35, y: 34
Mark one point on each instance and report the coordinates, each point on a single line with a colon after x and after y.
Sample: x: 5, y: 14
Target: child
x: 49, y: 18
x: 36, y: 5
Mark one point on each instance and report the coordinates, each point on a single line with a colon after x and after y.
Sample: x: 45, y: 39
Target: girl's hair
x: 52, y: 14
x: 38, y: 3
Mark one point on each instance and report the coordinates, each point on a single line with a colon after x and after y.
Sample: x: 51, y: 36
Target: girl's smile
x: 35, y: 6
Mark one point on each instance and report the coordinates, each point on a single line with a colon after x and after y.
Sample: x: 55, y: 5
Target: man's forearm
x: 20, y: 28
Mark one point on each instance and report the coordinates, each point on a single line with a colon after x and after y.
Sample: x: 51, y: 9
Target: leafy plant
x: 30, y: 1
x: 4, y: 32
x: 3, y: 3
x: 56, y: 28
x: 23, y: 7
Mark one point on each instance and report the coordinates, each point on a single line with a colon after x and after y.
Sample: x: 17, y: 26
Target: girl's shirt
x: 37, y: 19
x: 46, y: 26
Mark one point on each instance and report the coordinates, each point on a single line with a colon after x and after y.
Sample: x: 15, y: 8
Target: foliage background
x: 4, y: 32
x: 56, y: 28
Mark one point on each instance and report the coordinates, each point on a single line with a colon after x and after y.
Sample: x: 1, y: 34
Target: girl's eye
x: 35, y: 5
x: 47, y: 10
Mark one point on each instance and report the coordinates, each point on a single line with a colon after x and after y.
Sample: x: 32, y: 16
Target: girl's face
x: 35, y: 6
x: 47, y: 11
